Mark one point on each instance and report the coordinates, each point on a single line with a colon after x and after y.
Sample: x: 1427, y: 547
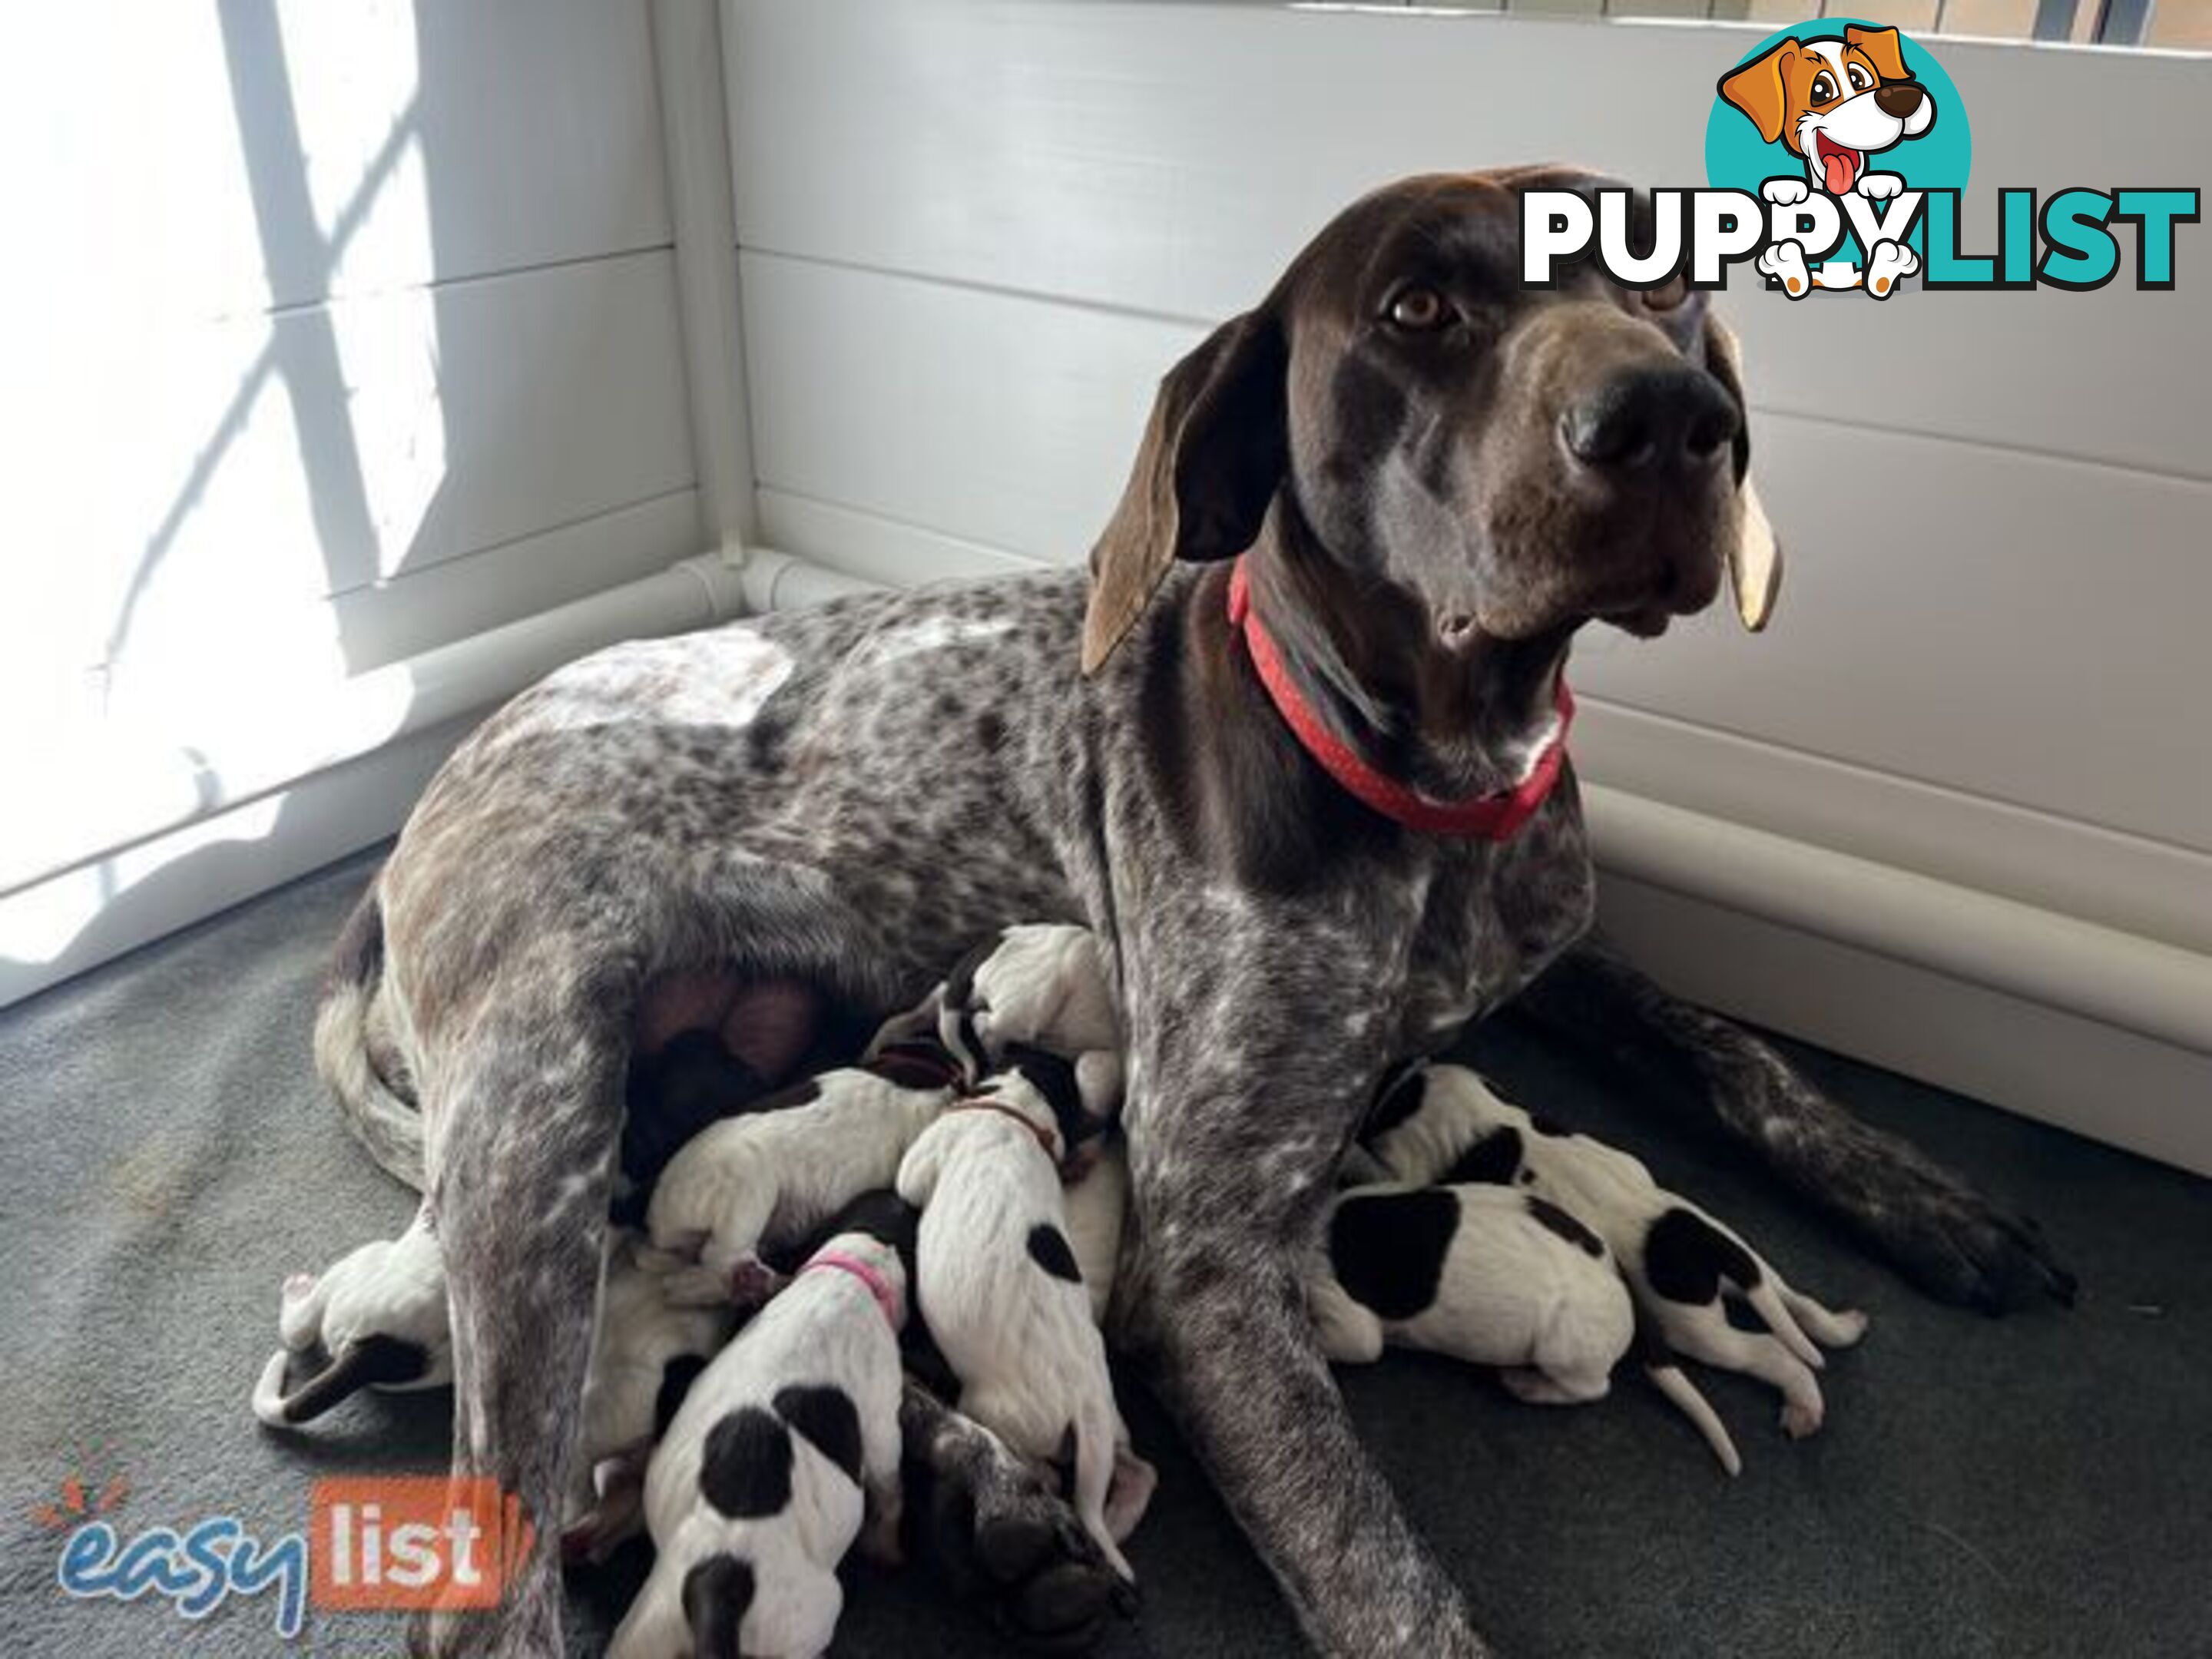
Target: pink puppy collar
x: 879, y: 1286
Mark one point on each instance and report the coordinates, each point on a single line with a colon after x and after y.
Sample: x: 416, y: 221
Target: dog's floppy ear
x: 1756, y: 88
x: 1754, y: 556
x: 1884, y: 48
x: 1215, y: 448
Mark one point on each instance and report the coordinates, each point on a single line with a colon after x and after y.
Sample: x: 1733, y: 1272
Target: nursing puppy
x: 375, y: 1319
x: 1042, y: 986
x: 786, y: 1443
x: 766, y: 1179
x: 998, y: 1285
x: 1441, y: 1122
x: 646, y: 1354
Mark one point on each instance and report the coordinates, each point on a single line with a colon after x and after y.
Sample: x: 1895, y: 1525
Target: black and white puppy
x: 646, y: 1354
x: 1041, y: 985
x: 999, y: 1287
x: 1686, y: 1269
x: 768, y: 1179
x: 1491, y: 1276
x: 375, y: 1319
x: 786, y: 1442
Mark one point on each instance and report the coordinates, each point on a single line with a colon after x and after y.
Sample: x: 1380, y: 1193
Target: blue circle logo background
x: 1939, y: 158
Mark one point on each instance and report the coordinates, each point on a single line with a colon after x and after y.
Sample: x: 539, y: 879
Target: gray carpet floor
x: 2039, y: 1486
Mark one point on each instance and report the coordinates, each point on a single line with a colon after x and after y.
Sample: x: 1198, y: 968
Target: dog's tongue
x: 1842, y: 165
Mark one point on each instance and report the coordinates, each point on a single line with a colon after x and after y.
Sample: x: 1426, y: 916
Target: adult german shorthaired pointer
x: 1312, y: 802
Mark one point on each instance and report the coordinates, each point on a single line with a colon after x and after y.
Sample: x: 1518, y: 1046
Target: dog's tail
x: 1668, y: 1379
x: 386, y: 1124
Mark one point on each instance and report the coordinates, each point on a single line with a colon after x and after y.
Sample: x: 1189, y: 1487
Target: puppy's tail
x: 388, y: 1126
x: 1668, y: 1378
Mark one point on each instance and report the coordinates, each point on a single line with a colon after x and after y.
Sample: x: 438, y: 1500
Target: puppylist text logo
x: 373, y: 1544
x: 1835, y: 157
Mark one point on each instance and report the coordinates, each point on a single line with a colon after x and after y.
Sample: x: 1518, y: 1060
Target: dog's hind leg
x: 1945, y: 1237
x: 524, y: 1117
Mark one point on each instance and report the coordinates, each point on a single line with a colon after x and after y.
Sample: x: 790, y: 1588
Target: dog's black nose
x: 1898, y: 98
x: 1669, y: 415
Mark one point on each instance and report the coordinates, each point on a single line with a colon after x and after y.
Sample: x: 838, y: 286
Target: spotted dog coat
x: 374, y: 1318
x: 1042, y: 986
x: 1687, y: 1269
x: 760, y: 1483
x: 825, y: 796
x: 997, y: 1284
x: 770, y: 1177
x: 646, y: 1354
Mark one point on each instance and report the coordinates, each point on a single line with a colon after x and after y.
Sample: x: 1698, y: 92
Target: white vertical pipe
x: 687, y: 49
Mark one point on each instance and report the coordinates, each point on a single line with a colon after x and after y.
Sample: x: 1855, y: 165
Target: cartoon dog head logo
x: 1823, y: 123
x: 1835, y: 102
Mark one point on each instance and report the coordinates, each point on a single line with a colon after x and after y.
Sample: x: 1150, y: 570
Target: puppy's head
x: 1055, y: 1080
x: 1832, y: 102
x: 1465, y: 458
x: 882, y: 1216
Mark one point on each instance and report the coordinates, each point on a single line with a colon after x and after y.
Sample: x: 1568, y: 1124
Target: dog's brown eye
x: 1860, y: 79
x: 1418, y: 310
x: 1668, y: 295
x: 1823, y: 87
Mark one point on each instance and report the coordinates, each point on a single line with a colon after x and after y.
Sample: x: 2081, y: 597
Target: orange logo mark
x: 75, y: 1505
x: 415, y: 1542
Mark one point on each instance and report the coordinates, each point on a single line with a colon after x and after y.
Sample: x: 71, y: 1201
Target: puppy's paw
x: 1803, y: 1417
x: 1785, y: 192
x: 994, y: 1527
x: 1880, y: 187
x: 1889, y: 261
x: 1785, y: 262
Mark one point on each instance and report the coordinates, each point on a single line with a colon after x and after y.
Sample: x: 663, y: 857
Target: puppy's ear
x: 1758, y: 89
x: 1754, y: 556
x: 1215, y: 449
x: 1883, y: 47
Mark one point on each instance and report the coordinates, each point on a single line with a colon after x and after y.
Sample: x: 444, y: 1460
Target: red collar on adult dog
x: 1494, y: 817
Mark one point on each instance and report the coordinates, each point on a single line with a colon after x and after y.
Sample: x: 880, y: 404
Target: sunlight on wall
x: 231, y: 392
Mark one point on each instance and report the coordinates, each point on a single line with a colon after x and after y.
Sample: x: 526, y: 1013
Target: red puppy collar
x: 1494, y: 817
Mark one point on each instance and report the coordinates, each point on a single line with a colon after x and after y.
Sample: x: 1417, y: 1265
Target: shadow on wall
x: 279, y: 212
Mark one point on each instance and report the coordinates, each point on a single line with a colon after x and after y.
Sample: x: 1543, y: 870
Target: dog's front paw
x: 1880, y: 187
x: 1785, y: 263
x: 994, y: 1527
x: 1943, y: 1236
x: 1889, y: 261
x: 1785, y: 192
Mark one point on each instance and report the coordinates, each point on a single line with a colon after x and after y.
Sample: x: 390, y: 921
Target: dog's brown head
x: 1481, y: 461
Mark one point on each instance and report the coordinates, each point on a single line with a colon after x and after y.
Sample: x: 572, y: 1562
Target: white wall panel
x: 202, y: 161
x: 197, y: 479
x: 1169, y: 159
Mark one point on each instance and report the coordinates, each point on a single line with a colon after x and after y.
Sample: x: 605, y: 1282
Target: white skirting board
x: 2095, y: 1079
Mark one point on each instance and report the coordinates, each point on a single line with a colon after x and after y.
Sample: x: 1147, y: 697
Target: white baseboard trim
x: 94, y: 912
x: 2084, y: 1074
